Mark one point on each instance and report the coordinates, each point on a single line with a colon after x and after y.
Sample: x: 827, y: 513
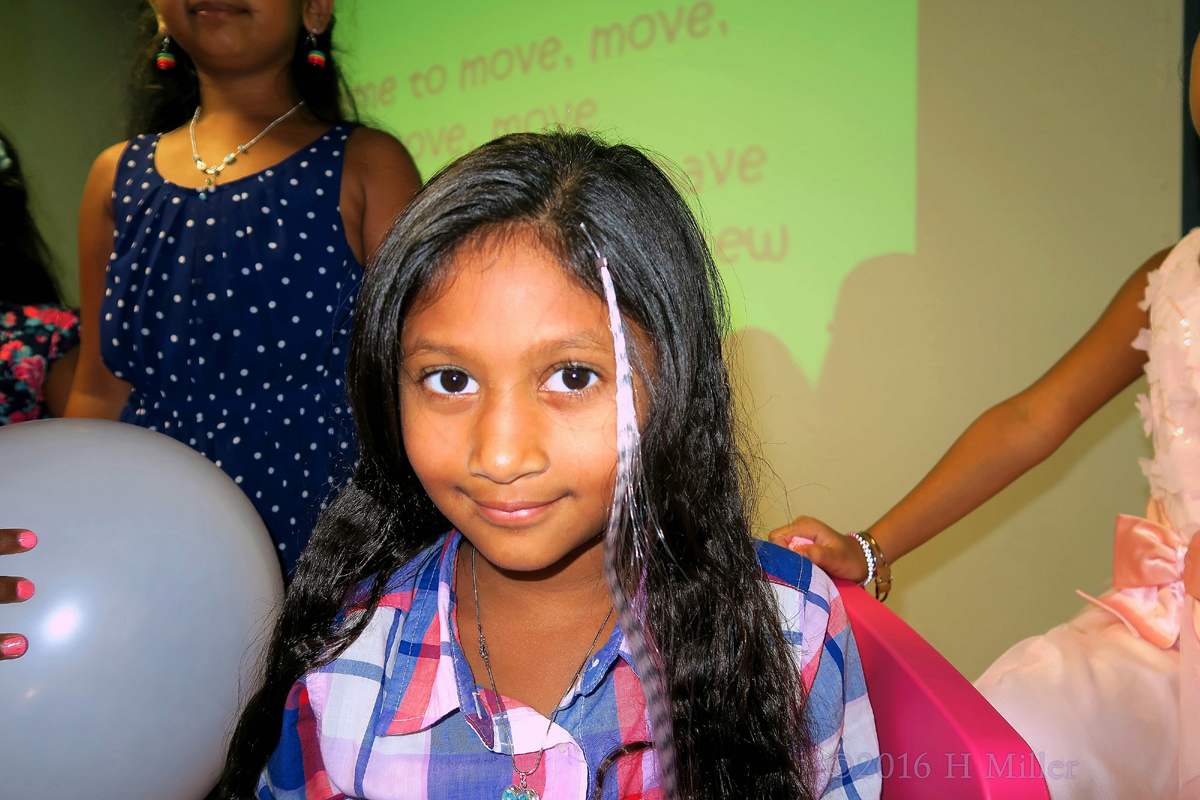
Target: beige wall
x: 1048, y: 170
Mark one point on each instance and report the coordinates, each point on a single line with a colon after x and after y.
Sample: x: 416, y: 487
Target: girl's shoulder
x: 1178, y: 275
x: 783, y: 567
x: 103, y: 174
x: 816, y: 625
x: 44, y: 316
x: 420, y: 572
x: 809, y: 601
x: 381, y: 172
x: 371, y: 152
x: 111, y: 155
x: 45, y: 331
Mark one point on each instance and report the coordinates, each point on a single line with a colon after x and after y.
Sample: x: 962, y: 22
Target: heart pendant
x: 513, y: 793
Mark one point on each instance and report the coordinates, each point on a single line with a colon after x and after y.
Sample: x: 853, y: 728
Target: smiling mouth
x: 514, y: 512
x: 214, y: 9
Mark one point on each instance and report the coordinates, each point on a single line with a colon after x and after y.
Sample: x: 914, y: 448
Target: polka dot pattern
x: 231, y: 317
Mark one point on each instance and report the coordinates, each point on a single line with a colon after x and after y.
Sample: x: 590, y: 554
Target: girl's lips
x: 213, y: 9
x: 514, y: 511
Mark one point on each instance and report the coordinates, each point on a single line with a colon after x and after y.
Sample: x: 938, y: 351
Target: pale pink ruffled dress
x: 1109, y: 701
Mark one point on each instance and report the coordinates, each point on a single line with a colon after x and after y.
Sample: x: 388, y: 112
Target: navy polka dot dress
x: 231, y: 316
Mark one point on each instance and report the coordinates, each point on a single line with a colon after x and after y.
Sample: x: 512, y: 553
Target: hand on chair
x: 837, y: 554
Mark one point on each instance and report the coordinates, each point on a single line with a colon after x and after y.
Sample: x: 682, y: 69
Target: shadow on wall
x: 904, y: 375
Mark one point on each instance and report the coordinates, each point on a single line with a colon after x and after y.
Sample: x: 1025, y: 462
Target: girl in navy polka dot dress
x: 217, y: 307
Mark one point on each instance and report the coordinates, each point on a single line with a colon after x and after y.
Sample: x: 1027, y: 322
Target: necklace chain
x: 483, y: 653
x: 215, y: 170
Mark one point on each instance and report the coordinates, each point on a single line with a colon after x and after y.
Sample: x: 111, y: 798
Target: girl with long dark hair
x: 39, y: 336
x: 39, y: 345
x: 222, y: 248
x: 515, y: 597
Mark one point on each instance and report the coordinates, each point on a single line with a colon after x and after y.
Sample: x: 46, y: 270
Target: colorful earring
x: 316, y: 58
x: 165, y: 60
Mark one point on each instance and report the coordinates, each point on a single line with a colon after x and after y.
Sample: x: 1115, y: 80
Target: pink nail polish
x: 27, y: 539
x: 14, y: 646
x: 25, y: 589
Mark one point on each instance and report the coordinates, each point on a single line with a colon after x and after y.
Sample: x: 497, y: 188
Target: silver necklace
x: 213, y: 171
x: 520, y: 790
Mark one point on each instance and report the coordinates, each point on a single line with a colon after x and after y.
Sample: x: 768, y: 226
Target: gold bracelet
x: 883, y: 570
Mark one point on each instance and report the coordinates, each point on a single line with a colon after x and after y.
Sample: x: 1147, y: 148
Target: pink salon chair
x: 938, y: 736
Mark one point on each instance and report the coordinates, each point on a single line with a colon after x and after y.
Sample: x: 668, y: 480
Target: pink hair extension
x: 631, y: 611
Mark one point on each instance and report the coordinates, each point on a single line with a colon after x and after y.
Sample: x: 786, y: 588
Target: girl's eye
x: 571, y: 379
x: 451, y: 381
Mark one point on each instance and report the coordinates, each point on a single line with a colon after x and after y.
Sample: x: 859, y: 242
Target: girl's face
x: 508, y: 406
x: 240, y: 35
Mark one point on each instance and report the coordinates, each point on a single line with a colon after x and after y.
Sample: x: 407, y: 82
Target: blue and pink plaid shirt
x: 398, y: 716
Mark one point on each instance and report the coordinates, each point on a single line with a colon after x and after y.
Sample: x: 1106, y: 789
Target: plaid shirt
x: 398, y: 716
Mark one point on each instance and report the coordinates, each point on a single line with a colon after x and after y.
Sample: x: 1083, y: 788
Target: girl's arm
x: 95, y: 392
x: 379, y: 179
x: 1006, y: 441
x: 57, y: 388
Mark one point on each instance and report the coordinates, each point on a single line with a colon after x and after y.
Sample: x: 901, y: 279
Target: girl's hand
x: 14, y: 590
x: 837, y: 554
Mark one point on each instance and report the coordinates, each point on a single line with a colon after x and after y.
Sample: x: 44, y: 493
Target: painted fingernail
x: 24, y: 589
x: 14, y: 646
x: 27, y: 539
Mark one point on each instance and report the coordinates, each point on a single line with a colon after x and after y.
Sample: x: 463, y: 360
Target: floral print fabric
x: 31, y: 339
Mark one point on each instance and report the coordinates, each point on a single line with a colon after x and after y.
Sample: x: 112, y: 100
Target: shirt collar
x: 427, y: 676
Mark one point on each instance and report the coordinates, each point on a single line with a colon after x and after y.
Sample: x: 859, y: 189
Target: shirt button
x: 197, y: 281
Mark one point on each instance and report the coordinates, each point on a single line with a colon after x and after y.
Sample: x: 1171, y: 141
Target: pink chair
x: 938, y: 736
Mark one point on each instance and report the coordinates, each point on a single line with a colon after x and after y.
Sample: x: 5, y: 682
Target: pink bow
x: 1148, y: 574
x: 1156, y: 577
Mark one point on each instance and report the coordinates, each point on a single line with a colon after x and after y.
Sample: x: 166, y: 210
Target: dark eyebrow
x: 424, y: 346
x: 583, y: 340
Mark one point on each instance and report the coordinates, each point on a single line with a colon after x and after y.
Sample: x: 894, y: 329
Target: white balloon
x: 156, y: 586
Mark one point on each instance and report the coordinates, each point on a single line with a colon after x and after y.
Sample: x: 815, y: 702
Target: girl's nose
x: 507, y: 440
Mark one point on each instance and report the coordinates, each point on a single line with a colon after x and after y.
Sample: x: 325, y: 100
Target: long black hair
x: 162, y: 100
x: 25, y: 275
x: 736, y: 696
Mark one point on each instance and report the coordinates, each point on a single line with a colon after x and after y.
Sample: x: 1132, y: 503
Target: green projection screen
x: 795, y: 120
